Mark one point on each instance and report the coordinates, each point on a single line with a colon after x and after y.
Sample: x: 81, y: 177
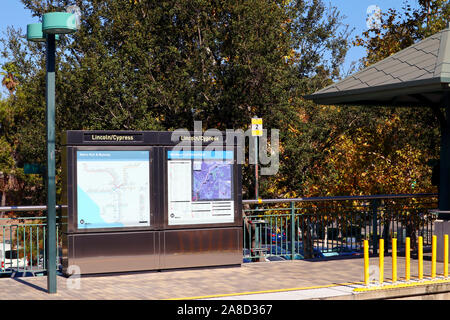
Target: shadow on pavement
x: 30, y: 284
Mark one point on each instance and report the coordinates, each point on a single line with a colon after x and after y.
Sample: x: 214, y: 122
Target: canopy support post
x: 444, y: 179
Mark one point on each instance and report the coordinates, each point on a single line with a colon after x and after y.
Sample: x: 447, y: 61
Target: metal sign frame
x: 160, y: 245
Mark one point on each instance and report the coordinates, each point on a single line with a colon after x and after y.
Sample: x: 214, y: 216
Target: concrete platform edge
x: 420, y: 293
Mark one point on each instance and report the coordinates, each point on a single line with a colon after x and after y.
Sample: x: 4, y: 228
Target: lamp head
x: 59, y: 23
x: 34, y: 32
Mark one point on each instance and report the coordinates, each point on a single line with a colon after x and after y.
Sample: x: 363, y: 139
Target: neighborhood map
x: 212, y: 181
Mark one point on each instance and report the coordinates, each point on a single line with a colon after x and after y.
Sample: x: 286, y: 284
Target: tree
x: 15, y: 186
x: 141, y: 65
x: 415, y: 133
x: 384, y: 157
x: 393, y: 155
x: 399, y: 30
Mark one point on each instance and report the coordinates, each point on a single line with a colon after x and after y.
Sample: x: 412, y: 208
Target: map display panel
x: 212, y: 180
x: 200, y: 187
x: 113, y: 189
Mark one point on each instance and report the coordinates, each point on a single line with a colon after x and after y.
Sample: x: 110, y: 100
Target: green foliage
x: 367, y: 150
x: 29, y: 238
x: 399, y: 30
x: 387, y: 156
x: 142, y: 65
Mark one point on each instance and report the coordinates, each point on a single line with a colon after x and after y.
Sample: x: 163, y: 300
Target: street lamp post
x: 53, y: 23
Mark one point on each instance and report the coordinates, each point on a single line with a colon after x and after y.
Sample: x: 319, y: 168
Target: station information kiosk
x: 137, y: 201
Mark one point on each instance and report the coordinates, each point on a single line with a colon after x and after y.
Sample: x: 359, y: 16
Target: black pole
x: 444, y: 176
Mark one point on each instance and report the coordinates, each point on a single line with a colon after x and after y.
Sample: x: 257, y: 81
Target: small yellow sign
x: 257, y: 127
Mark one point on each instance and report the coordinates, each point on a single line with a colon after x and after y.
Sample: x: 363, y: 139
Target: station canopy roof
x: 416, y: 76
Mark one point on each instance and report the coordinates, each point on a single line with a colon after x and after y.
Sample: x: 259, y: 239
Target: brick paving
x: 173, y: 284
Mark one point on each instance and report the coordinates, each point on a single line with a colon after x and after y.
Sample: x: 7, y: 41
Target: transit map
x: 113, y: 189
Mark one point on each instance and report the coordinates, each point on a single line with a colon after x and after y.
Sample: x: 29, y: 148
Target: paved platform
x: 286, y: 280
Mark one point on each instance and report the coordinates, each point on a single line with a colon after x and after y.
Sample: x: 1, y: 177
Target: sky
x: 13, y: 13
x: 356, y: 13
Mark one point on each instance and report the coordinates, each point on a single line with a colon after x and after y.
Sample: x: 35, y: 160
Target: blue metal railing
x: 306, y: 228
x: 274, y: 229
x: 22, y: 242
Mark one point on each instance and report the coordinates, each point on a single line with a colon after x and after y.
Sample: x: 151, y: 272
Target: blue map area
x: 212, y: 181
x: 89, y: 213
x: 112, y: 188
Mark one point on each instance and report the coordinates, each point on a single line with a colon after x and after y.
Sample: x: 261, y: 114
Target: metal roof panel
x: 420, y: 68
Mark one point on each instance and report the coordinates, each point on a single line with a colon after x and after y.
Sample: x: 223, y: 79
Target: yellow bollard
x: 394, y: 259
x: 366, y: 262
x: 420, y: 253
x: 407, y: 258
x: 446, y: 255
x: 381, y: 261
x: 433, y: 257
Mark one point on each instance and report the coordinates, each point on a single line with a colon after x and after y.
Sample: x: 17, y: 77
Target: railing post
x: 292, y: 229
x: 256, y: 230
x: 374, y: 204
x: 257, y: 244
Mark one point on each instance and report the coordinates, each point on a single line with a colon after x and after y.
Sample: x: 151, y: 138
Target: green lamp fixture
x: 59, y: 22
x: 35, y: 34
